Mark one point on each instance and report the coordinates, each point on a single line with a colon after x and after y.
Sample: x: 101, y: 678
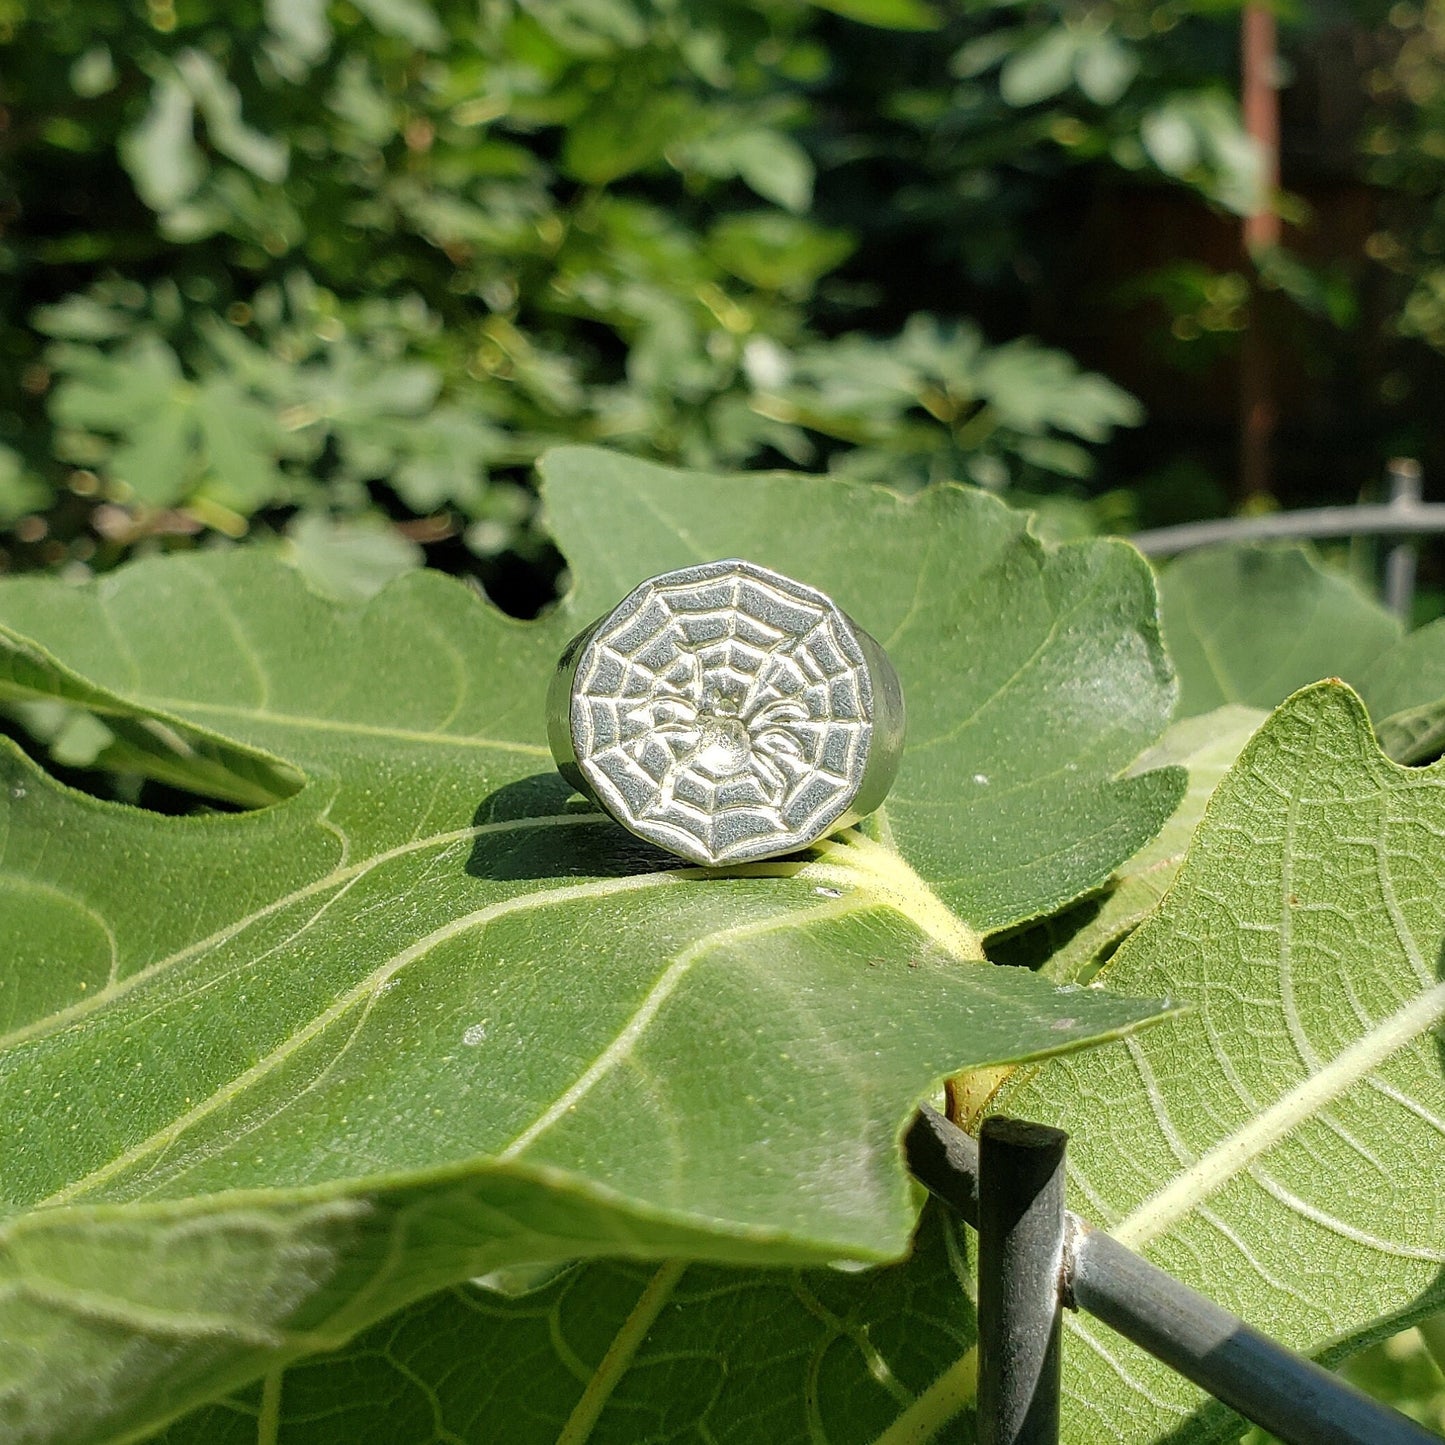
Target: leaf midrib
x: 374, y: 984
x: 642, y: 1016
x: 367, y: 989
x: 621, y: 1353
x: 1213, y: 1169
x: 179, y: 707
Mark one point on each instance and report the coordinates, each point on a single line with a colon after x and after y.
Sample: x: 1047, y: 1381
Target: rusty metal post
x: 1259, y: 102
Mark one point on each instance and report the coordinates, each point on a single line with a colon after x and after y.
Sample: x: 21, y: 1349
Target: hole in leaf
x: 1032, y: 945
x: 144, y: 761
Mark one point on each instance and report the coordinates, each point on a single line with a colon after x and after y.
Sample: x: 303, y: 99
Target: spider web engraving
x: 730, y: 710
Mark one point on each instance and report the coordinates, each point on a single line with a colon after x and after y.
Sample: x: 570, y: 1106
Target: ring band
x: 727, y: 713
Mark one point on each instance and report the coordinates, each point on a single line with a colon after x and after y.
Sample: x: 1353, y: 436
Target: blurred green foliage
x: 1404, y: 147
x: 371, y: 257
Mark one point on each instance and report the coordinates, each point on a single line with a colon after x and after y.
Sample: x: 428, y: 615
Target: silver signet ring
x: 727, y: 713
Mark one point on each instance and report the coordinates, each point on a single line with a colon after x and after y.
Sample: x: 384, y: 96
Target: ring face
x: 724, y: 712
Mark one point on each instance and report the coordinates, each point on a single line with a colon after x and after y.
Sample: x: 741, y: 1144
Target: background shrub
x: 368, y: 259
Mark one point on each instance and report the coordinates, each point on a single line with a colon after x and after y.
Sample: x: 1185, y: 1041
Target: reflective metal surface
x: 727, y: 713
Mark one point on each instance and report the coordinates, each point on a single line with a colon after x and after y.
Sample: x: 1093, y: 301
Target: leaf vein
x: 358, y: 993
x: 338, y: 876
x: 184, y: 706
x: 1338, y: 1226
x: 627, y: 1037
x: 1236, y: 1152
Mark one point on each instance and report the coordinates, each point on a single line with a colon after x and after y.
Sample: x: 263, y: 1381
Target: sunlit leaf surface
x: 268, y: 1076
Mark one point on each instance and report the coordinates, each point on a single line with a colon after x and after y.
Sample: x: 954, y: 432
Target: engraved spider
x: 718, y: 726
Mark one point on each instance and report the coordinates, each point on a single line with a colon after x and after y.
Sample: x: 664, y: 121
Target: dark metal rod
x: 1382, y: 520
x: 1400, y: 561
x: 1400, y: 568
x: 945, y: 1161
x: 1294, y: 1398
x: 1020, y: 1281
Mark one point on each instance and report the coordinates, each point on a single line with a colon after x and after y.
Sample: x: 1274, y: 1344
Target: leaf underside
x: 1248, y: 624
x: 1279, y: 1145
x: 787, y: 1356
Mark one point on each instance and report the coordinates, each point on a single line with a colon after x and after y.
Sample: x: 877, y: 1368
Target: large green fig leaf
x: 268, y: 1076
x: 1278, y: 1147
x: 1250, y: 624
x: 614, y: 1352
